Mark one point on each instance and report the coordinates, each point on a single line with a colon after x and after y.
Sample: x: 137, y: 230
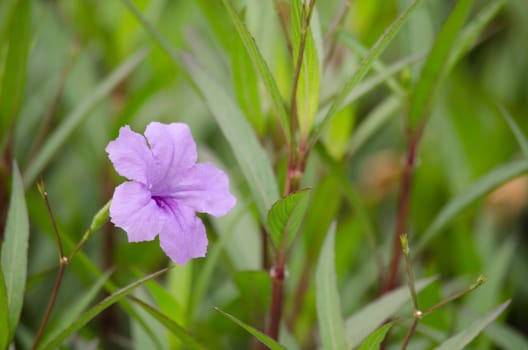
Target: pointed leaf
x: 286, y: 215
x: 171, y: 325
x: 57, y: 139
x: 374, y: 340
x: 522, y: 140
x: 261, y: 64
x: 327, y: 297
x: 459, y: 341
x: 15, y: 69
x: 382, y: 42
x: 433, y: 69
x: 482, y: 186
x: 366, y: 320
x: 263, y: 338
x: 310, y: 75
x: 251, y: 157
x: 96, y: 310
x: 15, y: 251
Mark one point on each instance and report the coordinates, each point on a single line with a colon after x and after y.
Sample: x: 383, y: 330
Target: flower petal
x: 205, y: 188
x: 130, y: 155
x: 183, y: 236
x: 134, y: 211
x: 174, y: 151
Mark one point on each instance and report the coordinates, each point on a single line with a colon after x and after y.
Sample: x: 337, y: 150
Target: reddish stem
x: 403, y: 209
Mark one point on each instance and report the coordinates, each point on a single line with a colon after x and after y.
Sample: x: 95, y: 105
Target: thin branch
x: 63, y: 261
x: 338, y: 22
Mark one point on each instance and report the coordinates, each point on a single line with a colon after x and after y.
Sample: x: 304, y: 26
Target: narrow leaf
x: 171, y: 325
x: 433, y: 69
x: 4, y: 313
x: 56, y: 140
x: 374, y: 340
x: 382, y: 42
x: 482, y: 186
x: 463, y: 338
x: 366, y: 320
x: 251, y: 157
x: 263, y: 338
x: 64, y: 319
x: 307, y: 97
x: 470, y: 33
x: 517, y: 132
x: 286, y: 215
x: 15, y: 250
x: 327, y: 297
x: 96, y: 310
x: 15, y: 69
x: 262, y: 66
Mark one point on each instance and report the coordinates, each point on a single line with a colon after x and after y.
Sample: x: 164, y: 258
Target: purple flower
x: 166, y: 189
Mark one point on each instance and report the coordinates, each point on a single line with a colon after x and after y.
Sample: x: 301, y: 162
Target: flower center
x: 160, y: 202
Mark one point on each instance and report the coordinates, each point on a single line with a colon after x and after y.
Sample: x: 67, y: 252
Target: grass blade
x: 262, y: 66
x: 252, y: 158
x: 96, y: 310
x: 484, y: 185
x: 15, y: 251
x: 517, y: 132
x: 327, y: 295
x: 263, y: 338
x: 364, y: 67
x: 15, y: 70
x: 366, y: 320
x: 56, y: 140
x: 433, y: 69
x: 463, y: 338
x: 171, y: 325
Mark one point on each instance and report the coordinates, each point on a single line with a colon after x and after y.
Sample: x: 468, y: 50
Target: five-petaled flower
x: 166, y: 189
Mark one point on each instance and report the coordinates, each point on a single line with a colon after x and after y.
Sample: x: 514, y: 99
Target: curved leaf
x: 484, y: 185
x: 374, y: 340
x: 459, y: 341
x: 96, y: 310
x: 263, y: 338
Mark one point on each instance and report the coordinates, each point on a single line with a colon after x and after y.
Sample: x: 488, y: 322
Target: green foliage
x: 14, y: 256
x: 73, y: 72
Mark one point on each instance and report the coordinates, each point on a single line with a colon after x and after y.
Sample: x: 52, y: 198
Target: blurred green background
x: 73, y: 46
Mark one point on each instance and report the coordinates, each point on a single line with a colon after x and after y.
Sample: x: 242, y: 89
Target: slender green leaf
x: 382, y: 42
x: 171, y: 325
x: 507, y: 337
x: 4, y: 313
x: 371, y: 316
x: 374, y: 340
x: 286, y: 215
x: 471, y: 32
x: 262, y: 66
x: 96, y: 310
x: 263, y: 338
x: 15, y: 250
x: 307, y: 97
x: 327, y: 295
x: 57, y: 139
x: 484, y: 185
x: 433, y: 69
x: 68, y: 316
x: 251, y: 157
x: 15, y: 69
x: 522, y: 140
x: 460, y: 340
